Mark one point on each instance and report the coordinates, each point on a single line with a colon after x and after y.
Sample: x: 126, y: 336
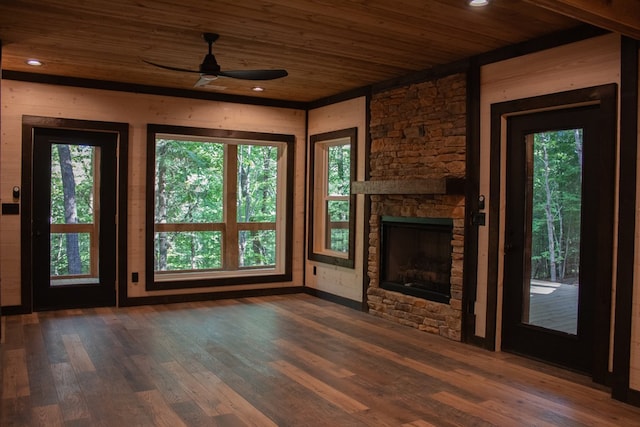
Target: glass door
x: 559, y: 216
x: 551, y: 300
x: 73, y: 219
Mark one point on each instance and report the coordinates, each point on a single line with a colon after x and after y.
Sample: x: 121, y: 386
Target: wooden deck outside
x: 286, y: 361
x: 554, y: 306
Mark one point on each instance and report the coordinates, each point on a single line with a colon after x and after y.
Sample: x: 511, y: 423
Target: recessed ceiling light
x: 257, y: 89
x: 34, y: 62
x: 478, y: 3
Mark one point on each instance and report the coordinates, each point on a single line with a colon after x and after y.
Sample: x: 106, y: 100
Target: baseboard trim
x: 356, y: 305
x: 12, y: 310
x: 633, y: 397
x: 208, y: 296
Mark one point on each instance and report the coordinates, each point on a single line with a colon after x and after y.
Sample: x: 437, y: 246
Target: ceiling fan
x: 210, y: 70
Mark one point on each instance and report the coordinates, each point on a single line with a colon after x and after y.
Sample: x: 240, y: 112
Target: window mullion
x: 94, y: 238
x: 230, y: 242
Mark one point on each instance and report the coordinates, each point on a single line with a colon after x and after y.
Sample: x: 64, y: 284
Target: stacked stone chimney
x: 418, y: 132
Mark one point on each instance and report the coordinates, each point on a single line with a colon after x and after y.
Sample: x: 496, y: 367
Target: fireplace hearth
x: 416, y: 257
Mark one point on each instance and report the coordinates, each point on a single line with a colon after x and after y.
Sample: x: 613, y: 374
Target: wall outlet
x: 134, y: 277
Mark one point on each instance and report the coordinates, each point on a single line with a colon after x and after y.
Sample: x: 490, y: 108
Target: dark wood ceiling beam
x: 621, y: 16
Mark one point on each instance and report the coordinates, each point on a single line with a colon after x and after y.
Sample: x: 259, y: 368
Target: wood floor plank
x: 52, y: 326
x: 47, y: 416
x: 233, y: 402
x: 161, y: 413
x: 522, y: 418
x: 292, y: 360
x: 320, y: 388
x: 72, y: 403
x: 41, y: 384
x: 551, y: 403
x: 196, y: 391
x: 163, y: 381
x: 15, y: 377
x: 78, y: 356
x: 418, y: 423
x: 30, y: 319
x: 192, y: 415
x: 228, y: 420
x: 13, y: 332
x: 314, y: 359
x: 110, y: 400
x: 16, y: 412
x: 477, y: 411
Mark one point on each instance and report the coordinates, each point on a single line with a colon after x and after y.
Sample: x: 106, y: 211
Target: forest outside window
x: 220, y: 207
x: 332, y: 214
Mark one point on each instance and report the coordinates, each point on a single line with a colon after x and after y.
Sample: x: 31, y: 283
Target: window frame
x: 317, y: 228
x: 285, y: 199
x: 92, y: 228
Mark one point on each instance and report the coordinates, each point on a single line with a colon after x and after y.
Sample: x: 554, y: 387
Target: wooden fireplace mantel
x: 412, y: 186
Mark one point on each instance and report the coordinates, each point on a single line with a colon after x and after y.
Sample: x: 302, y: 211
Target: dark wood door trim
x: 626, y: 220
x: 606, y: 97
x: 473, y: 208
x: 29, y: 123
x: 574, y: 351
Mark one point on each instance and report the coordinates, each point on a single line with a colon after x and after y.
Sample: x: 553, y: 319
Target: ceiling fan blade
x: 204, y: 80
x: 210, y: 70
x: 166, y: 67
x: 254, y: 74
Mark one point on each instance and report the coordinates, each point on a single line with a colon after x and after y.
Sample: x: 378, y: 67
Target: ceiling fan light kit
x: 209, y: 69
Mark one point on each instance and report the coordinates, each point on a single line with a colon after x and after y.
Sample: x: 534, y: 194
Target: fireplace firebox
x: 416, y: 255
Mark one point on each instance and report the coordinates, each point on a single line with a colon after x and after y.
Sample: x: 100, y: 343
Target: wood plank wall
x: 344, y: 282
x: 20, y: 98
x: 587, y: 63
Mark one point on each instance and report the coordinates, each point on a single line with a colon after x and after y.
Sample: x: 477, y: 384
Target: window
x: 332, y: 210
x: 220, y: 207
x: 74, y: 228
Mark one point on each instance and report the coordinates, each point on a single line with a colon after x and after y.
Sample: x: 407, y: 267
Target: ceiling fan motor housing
x: 209, y: 66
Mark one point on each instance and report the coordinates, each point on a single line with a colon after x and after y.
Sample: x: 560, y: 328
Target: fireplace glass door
x: 416, y: 257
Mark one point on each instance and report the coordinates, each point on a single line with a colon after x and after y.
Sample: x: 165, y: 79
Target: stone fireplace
x: 416, y: 256
x: 418, y: 149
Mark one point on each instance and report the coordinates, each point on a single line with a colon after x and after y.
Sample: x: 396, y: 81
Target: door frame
x: 605, y: 96
x: 29, y: 124
x: 597, y: 211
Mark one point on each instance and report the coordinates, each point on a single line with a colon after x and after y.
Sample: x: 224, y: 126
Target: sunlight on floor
x: 540, y: 287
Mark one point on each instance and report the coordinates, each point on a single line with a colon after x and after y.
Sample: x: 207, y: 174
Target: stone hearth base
x: 433, y: 317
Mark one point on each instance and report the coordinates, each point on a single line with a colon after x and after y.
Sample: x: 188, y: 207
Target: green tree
x: 557, y: 186
x: 72, y: 187
x: 188, y: 189
x: 257, y: 201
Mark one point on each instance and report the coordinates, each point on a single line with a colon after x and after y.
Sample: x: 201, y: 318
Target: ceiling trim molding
x: 148, y: 90
x: 549, y: 41
x: 621, y: 16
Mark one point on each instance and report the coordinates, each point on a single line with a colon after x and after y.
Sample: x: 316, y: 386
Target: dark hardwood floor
x: 294, y: 360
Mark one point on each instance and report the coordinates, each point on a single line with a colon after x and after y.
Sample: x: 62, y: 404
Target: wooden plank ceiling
x: 327, y: 46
